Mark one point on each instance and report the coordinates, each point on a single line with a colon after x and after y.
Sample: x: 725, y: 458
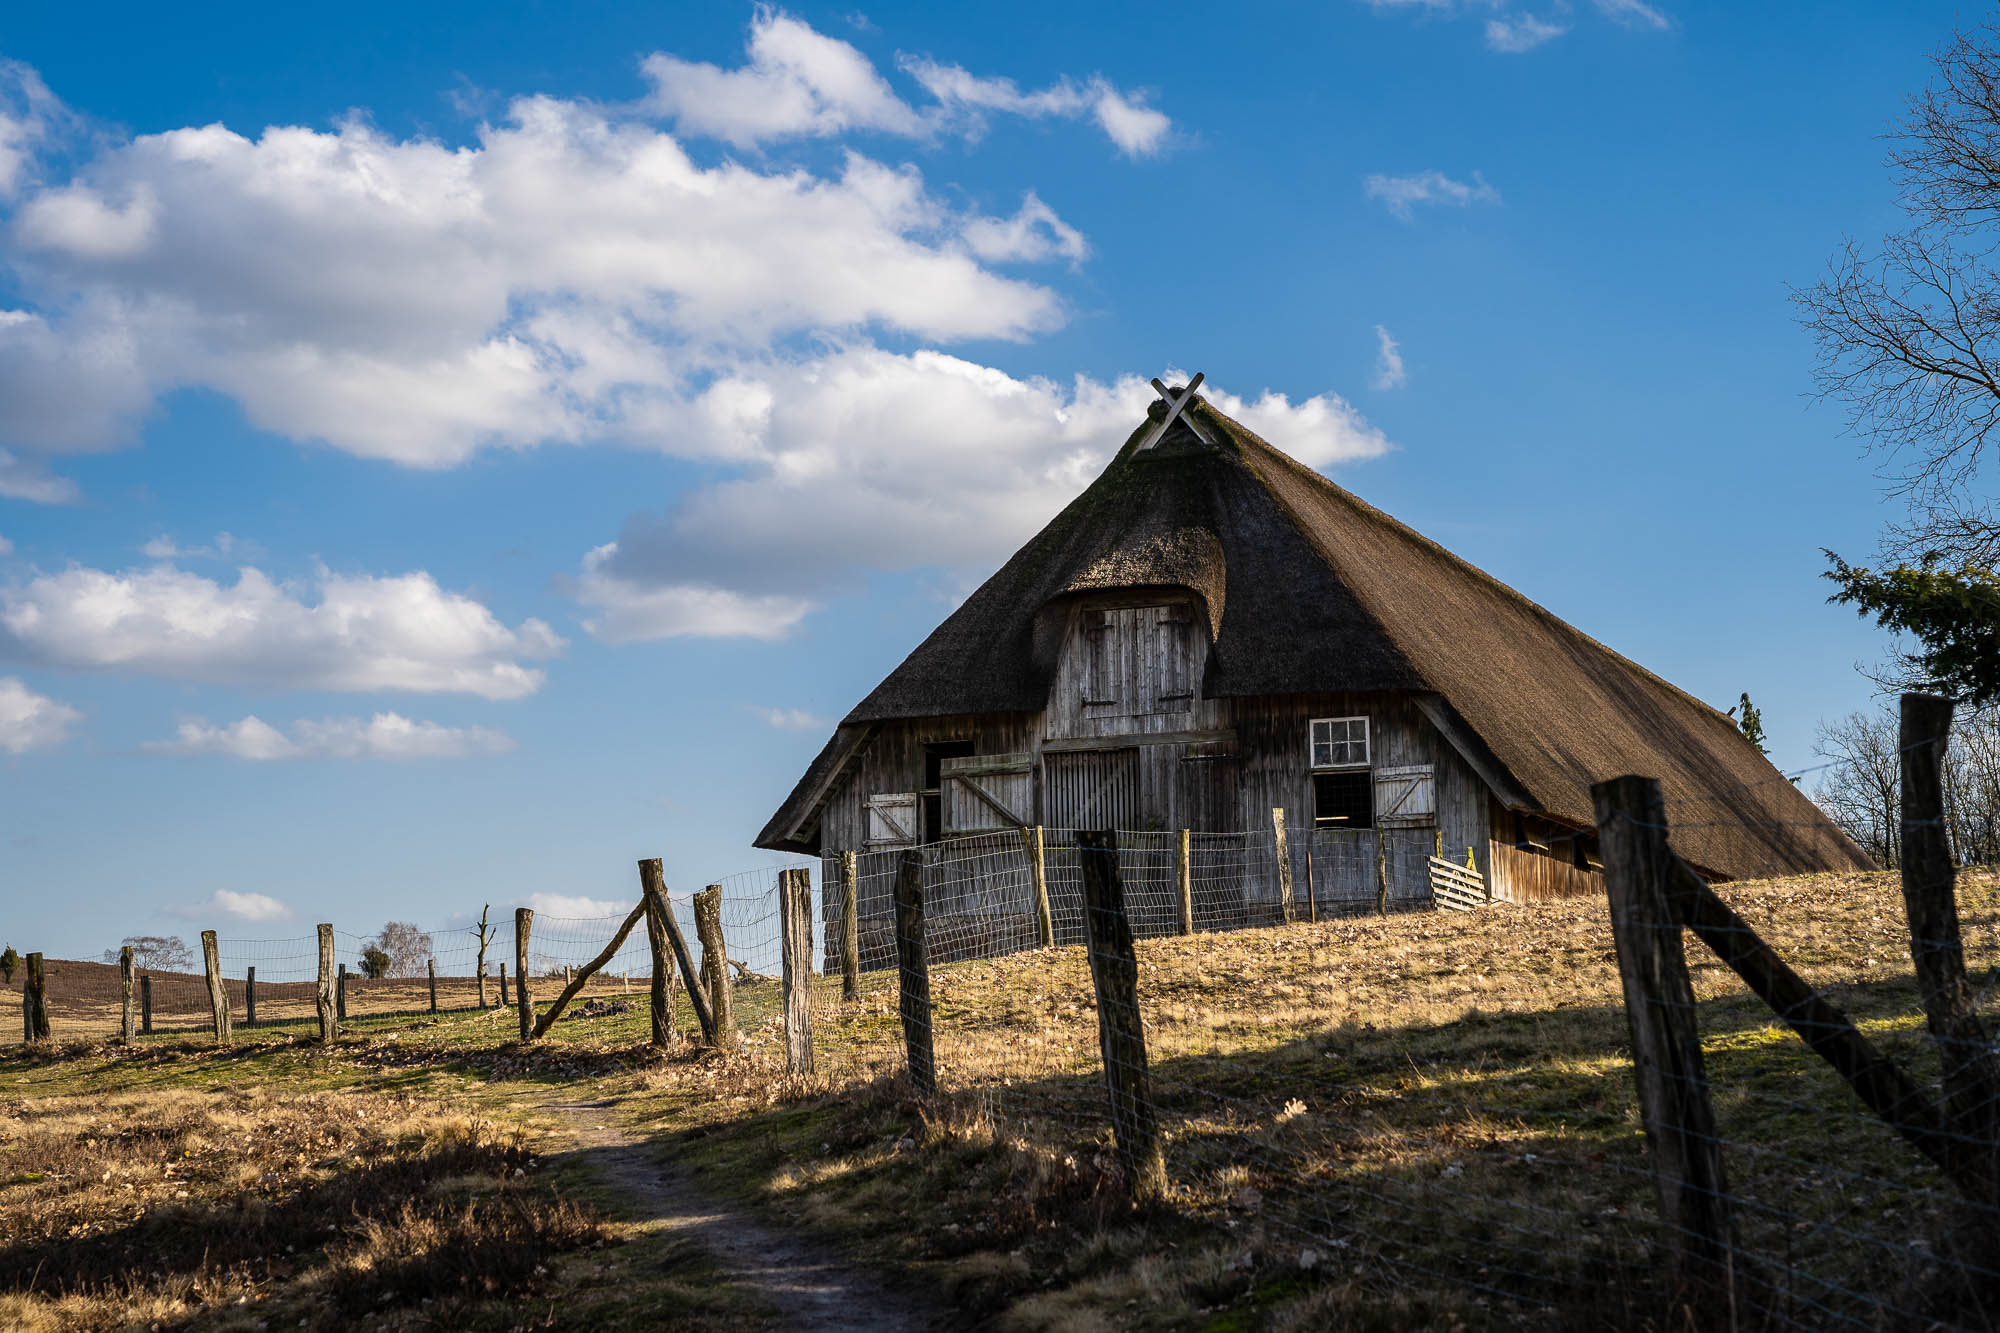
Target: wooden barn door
x: 1091, y: 789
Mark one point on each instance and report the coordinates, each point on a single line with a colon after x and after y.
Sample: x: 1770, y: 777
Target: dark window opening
x: 1344, y: 800
x: 933, y: 804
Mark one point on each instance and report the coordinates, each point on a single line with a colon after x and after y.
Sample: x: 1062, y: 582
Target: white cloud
x: 383, y: 736
x: 360, y: 633
x: 1522, y: 32
x: 1401, y: 194
x: 963, y: 99
x: 1034, y: 233
x: 30, y: 116
x: 1634, y: 13
x: 1138, y: 129
x: 236, y: 906
x: 29, y: 479
x: 791, y: 719
x: 166, y: 548
x: 30, y: 721
x: 1389, y: 372
x: 572, y: 906
x: 870, y: 460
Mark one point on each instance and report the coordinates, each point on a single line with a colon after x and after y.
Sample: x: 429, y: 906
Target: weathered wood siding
x: 1530, y: 874
x: 1131, y: 670
x: 893, y: 761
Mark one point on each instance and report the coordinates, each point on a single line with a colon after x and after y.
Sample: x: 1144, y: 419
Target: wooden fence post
x: 146, y: 1003
x: 1284, y: 847
x: 1382, y: 871
x: 795, y: 939
x: 715, y: 967
x: 1184, y: 879
x: 1971, y: 1072
x: 661, y: 992
x: 850, y: 925
x: 127, y: 1014
x: 1038, y: 871
x: 524, y: 1003
x: 654, y: 881
x: 505, y: 998
x: 1681, y: 1136
x: 329, y: 1018
x: 340, y: 993
x: 218, y: 998
x: 250, y: 996
x: 1121, y: 1036
x: 913, y: 973
x: 35, y: 1001
x: 431, y: 967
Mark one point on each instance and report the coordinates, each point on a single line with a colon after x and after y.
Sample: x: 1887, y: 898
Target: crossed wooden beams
x: 1177, y: 402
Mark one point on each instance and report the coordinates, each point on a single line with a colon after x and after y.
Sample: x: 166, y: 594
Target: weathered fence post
x: 35, y: 1001
x: 1971, y: 1072
x: 661, y: 992
x: 1038, y: 871
x: 1382, y: 871
x: 1184, y: 879
x: 913, y: 973
x: 1312, y: 889
x: 323, y: 998
x: 1121, y: 1036
x: 524, y: 1004
x: 127, y: 1014
x: 1681, y: 1136
x: 850, y: 925
x: 504, y: 998
x: 146, y: 1003
x: 485, y: 937
x: 1284, y: 847
x: 431, y: 967
x: 340, y: 993
x: 250, y: 996
x: 715, y: 967
x: 795, y: 925
x: 654, y: 881
x: 218, y: 998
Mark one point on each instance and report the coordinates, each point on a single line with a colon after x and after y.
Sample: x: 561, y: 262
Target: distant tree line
x: 1861, y: 789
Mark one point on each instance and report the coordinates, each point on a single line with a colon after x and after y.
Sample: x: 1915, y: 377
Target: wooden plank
x: 913, y: 974
x: 1454, y: 888
x: 1176, y: 405
x: 1038, y: 870
x: 653, y: 882
x: 1125, y: 740
x: 1681, y: 1138
x: 715, y: 966
x: 1971, y: 1072
x: 1121, y: 1035
x: 987, y: 765
x: 795, y: 940
x: 524, y: 1004
x: 218, y: 997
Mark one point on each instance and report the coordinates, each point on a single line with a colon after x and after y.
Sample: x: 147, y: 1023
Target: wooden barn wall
x: 1527, y: 875
x: 1141, y: 676
x: 893, y: 760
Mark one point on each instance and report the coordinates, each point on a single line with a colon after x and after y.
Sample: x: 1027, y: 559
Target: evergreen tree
x: 1750, y: 722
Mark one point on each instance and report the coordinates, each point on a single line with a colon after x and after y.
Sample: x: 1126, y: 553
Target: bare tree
x: 1862, y: 789
x: 156, y: 953
x: 484, y: 934
x: 408, y: 948
x: 1972, y: 787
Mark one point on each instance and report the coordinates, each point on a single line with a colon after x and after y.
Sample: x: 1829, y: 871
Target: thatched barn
x: 1212, y: 631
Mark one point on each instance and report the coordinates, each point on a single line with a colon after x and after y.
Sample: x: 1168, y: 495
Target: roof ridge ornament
x: 1177, y: 402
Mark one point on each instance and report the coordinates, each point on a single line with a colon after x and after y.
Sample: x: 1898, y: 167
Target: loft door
x: 1091, y: 789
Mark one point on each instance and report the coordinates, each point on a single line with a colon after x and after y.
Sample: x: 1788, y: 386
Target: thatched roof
x: 1309, y: 589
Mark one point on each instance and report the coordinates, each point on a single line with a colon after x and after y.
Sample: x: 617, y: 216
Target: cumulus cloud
x: 1033, y: 233
x: 791, y: 719
x: 1389, y: 372
x: 572, y: 905
x: 1402, y: 194
x: 236, y: 906
x: 383, y: 736
x: 1521, y: 32
x: 965, y: 98
x: 870, y: 460
x: 341, y: 632
x: 30, y: 721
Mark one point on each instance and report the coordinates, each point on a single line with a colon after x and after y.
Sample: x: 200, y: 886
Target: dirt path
x: 812, y: 1288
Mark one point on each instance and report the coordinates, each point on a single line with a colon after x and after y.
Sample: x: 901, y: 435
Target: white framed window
x: 1340, y: 742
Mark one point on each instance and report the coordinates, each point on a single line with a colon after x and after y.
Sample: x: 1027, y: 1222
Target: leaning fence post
x: 850, y: 925
x: 250, y: 996
x: 1666, y: 1045
x: 1121, y: 1036
x: 1971, y: 1073
x: 1184, y: 879
x: 524, y: 1004
x: 1284, y: 863
x: 715, y: 967
x: 1038, y: 871
x: 127, y: 1014
x: 146, y: 1003
x: 35, y: 1001
x: 329, y: 1018
x: 654, y: 881
x: 795, y: 939
x: 913, y: 974
x: 431, y: 967
x: 218, y: 998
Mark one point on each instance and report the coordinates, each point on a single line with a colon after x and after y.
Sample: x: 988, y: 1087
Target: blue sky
x: 451, y: 452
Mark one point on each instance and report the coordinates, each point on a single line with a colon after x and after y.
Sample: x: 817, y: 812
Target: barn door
x: 892, y: 819
x: 988, y: 791
x: 1405, y: 797
x: 1091, y: 789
